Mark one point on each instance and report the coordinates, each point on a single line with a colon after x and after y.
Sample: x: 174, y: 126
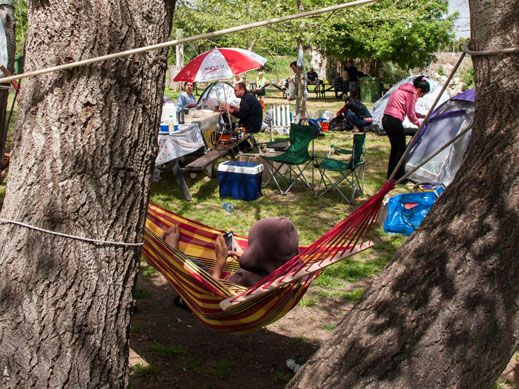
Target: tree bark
x: 445, y: 313
x: 85, y: 144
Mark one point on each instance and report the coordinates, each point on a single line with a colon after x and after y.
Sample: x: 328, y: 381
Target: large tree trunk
x: 445, y: 313
x: 82, y: 161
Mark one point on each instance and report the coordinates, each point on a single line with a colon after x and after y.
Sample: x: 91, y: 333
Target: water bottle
x: 228, y: 207
x: 292, y: 365
x: 171, y: 123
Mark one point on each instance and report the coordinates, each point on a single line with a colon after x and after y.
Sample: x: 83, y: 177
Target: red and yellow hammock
x: 228, y: 307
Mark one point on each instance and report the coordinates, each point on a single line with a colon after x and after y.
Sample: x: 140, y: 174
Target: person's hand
x: 368, y: 120
x: 220, y: 247
x: 236, y: 250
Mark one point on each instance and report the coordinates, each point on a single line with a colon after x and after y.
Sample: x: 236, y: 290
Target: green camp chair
x: 351, y: 171
x: 295, y: 159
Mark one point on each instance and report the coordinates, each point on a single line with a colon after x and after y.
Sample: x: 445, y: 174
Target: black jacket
x: 250, y: 113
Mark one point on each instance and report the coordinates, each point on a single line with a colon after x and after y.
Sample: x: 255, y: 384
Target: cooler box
x: 240, y: 180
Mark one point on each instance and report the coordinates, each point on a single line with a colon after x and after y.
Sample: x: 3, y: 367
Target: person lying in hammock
x: 271, y: 243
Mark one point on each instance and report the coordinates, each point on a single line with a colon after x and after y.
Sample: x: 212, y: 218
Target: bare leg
x: 171, y: 236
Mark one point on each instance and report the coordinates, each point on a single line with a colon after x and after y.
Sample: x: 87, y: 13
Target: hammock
x: 232, y: 308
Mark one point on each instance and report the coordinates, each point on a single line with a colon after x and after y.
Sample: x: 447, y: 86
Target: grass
x: 169, y: 352
x: 330, y: 327
x: 307, y: 302
x: 146, y: 371
x: 136, y: 328
x: 140, y: 294
x: 216, y: 369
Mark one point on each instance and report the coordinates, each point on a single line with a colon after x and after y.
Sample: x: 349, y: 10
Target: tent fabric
x: 423, y: 104
x: 444, y: 124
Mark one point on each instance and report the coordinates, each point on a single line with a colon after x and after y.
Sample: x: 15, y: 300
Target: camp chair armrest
x: 340, y: 150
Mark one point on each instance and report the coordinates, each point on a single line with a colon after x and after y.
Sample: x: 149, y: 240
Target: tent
x: 444, y: 124
x: 423, y: 104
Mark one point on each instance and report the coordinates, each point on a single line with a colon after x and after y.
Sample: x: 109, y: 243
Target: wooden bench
x: 213, y: 155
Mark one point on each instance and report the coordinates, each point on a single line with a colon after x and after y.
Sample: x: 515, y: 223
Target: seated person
x: 186, y: 99
x: 261, y: 82
x: 312, y: 77
x: 353, y: 114
x: 249, y: 112
x: 271, y: 243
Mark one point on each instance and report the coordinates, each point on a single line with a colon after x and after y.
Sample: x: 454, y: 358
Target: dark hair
x: 293, y: 64
x: 421, y: 83
x: 241, y: 85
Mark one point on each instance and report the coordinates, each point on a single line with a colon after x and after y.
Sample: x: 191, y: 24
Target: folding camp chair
x: 351, y: 171
x: 295, y: 159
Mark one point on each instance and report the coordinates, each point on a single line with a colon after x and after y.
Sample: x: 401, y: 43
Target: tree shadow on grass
x: 201, y: 357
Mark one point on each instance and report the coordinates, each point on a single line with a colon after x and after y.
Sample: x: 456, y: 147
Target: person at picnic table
x: 402, y: 103
x: 354, y: 76
x: 356, y: 113
x: 312, y: 77
x: 261, y: 82
x: 186, y: 98
x: 249, y: 112
x: 272, y: 242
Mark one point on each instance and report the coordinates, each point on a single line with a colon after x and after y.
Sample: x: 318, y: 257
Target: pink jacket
x: 402, y: 102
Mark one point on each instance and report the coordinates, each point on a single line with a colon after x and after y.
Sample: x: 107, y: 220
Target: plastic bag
x: 406, y: 211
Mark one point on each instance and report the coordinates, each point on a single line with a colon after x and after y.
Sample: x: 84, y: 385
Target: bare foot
x: 171, y: 236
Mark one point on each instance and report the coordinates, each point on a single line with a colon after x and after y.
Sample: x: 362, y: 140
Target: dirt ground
x: 179, y: 352
x: 197, y: 357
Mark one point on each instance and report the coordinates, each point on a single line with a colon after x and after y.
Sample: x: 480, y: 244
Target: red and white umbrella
x: 220, y: 64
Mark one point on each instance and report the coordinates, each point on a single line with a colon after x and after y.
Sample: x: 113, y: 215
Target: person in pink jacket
x: 401, y: 104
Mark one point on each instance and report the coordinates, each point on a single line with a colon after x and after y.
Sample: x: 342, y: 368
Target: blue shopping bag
x: 406, y: 211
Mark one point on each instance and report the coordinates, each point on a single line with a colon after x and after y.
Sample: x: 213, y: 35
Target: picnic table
x: 196, y: 135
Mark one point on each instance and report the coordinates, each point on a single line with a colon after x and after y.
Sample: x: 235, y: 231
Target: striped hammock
x: 228, y: 307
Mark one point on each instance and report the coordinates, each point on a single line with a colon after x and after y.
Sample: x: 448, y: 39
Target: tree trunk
x: 85, y: 145
x: 445, y: 313
x: 8, y: 21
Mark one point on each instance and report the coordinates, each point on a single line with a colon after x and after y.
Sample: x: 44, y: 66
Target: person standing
x: 401, y: 104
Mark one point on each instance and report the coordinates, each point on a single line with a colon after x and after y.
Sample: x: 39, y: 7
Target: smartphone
x: 229, y: 240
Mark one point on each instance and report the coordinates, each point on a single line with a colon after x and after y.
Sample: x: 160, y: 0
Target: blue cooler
x: 240, y: 180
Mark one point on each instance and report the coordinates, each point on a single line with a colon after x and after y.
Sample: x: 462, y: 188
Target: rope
x: 475, y: 53
x: 185, y: 40
x: 97, y: 241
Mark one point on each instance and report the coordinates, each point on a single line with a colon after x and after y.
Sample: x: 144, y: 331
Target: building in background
x: 462, y: 22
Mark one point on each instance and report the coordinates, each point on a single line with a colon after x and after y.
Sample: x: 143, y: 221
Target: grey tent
x: 422, y: 104
x: 445, y: 123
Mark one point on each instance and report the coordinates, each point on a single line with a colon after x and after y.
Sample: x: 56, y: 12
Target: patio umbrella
x: 219, y: 64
